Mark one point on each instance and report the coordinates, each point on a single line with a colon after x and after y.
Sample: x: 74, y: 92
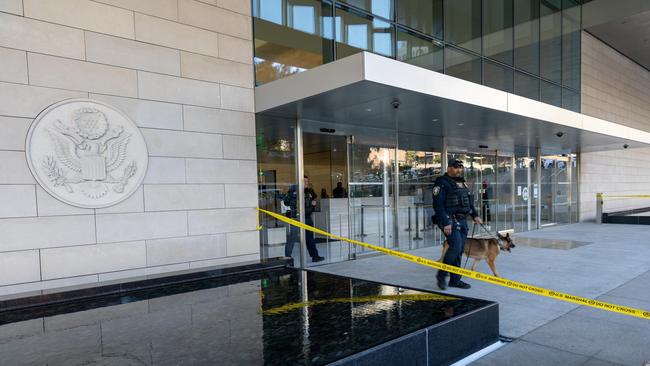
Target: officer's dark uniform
x: 452, y: 202
x: 291, y: 200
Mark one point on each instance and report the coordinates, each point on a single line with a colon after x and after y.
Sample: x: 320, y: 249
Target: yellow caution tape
x: 600, y: 195
x: 399, y: 297
x: 258, y: 227
x: 475, y: 275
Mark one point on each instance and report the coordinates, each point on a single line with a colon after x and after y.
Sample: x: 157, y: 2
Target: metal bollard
x: 599, y: 208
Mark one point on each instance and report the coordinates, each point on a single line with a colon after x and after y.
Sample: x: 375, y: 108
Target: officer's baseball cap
x: 455, y: 163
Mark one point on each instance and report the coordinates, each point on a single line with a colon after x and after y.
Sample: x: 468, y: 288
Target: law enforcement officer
x: 452, y: 202
x: 291, y: 200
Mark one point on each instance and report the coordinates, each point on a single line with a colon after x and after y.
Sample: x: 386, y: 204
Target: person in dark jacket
x: 486, y: 215
x: 339, y: 191
x: 323, y: 194
x: 291, y: 200
x: 452, y: 202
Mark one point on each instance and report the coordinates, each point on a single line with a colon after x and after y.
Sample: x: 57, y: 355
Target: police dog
x: 484, y: 248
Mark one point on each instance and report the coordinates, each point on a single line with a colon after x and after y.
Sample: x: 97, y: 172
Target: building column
x: 528, y: 187
x: 300, y: 173
x: 538, y: 183
x: 444, y: 159
x: 513, y: 190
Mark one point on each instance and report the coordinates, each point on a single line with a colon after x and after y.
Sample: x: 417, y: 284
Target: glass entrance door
x: 325, y: 163
x: 372, y: 190
x: 556, y: 190
x: 418, y: 171
x: 524, y: 208
x: 503, y: 212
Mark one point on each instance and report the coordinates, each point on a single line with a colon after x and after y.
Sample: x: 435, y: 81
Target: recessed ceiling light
x: 368, y: 109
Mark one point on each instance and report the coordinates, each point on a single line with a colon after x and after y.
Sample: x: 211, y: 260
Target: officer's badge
x: 436, y: 190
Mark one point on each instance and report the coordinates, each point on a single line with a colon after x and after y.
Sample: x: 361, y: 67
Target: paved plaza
x: 614, y: 267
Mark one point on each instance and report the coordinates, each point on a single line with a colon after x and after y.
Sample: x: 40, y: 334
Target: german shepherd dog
x: 484, y: 248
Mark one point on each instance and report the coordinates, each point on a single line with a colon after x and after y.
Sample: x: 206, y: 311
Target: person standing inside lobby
x: 291, y: 200
x: 339, y: 191
x: 486, y: 215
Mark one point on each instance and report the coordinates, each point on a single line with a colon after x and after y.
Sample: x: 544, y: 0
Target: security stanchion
x: 363, y: 234
x: 424, y: 219
x: 409, y: 220
x: 417, y: 223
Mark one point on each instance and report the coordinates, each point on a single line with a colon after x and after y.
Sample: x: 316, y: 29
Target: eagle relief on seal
x: 86, y: 153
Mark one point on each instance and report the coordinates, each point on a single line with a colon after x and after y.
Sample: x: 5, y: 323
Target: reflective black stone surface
x: 273, y: 317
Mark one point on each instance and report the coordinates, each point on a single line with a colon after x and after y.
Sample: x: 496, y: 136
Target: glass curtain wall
x: 498, y: 76
x: 463, y: 65
x: 526, y: 36
x: 528, y: 47
x: 420, y: 163
x: 276, y: 174
x: 377, y: 186
x: 463, y: 24
x: 571, y: 37
x: 571, y: 23
x: 422, y: 16
x: 416, y: 50
x: 551, y: 40
x: 356, y: 31
x: 372, y: 190
x: 291, y: 36
x: 498, y: 36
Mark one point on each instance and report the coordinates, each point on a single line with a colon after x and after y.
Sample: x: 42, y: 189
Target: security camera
x: 626, y: 146
x: 396, y: 103
x: 559, y: 134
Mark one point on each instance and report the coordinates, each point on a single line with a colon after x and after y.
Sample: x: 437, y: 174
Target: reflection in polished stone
x: 277, y: 317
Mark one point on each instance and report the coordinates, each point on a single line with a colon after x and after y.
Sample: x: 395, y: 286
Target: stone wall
x: 182, y: 70
x: 616, y: 89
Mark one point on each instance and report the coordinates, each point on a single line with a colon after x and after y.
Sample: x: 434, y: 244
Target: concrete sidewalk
x: 613, y: 268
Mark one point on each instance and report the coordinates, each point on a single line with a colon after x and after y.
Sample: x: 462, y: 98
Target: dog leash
x: 488, y: 231
x: 470, y: 247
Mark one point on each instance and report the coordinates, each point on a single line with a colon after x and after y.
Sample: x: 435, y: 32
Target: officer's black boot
x: 460, y: 284
x: 442, y: 281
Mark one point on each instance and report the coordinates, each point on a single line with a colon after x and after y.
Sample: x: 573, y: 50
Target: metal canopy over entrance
x: 359, y: 90
x: 383, y: 130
